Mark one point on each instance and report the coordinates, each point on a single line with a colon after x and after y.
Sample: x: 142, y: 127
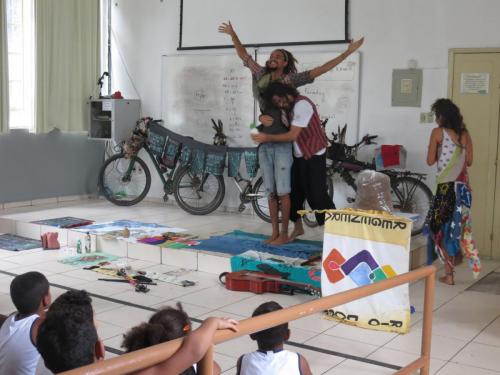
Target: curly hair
x: 450, y: 115
x: 166, y: 324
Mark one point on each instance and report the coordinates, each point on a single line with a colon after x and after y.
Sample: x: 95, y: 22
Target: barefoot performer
x: 275, y: 158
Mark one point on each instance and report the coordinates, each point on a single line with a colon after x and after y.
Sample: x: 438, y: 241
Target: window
x: 20, y: 34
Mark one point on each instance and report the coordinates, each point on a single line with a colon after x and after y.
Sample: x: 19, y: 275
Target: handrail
x: 148, y: 357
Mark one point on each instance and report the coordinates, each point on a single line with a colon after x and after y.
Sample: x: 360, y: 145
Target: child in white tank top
x: 271, y: 358
x: 31, y: 296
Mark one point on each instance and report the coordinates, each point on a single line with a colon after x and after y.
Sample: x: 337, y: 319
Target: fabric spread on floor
x: 64, y: 222
x: 237, y: 242
x: 13, y: 242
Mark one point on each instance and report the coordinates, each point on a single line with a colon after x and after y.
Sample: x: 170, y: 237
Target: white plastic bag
x: 373, y: 191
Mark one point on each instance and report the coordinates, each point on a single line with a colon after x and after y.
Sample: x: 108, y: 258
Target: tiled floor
x: 466, y: 330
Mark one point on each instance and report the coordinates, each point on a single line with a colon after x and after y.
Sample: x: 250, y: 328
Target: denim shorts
x: 275, y: 160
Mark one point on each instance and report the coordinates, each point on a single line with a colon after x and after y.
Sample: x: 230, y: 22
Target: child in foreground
x: 271, y: 358
x: 169, y: 324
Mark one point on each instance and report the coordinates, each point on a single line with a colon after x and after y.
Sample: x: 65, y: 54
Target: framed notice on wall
x: 474, y: 83
x: 406, y: 87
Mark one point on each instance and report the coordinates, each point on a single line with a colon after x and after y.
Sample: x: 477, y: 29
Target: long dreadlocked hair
x: 290, y: 67
x: 451, y: 114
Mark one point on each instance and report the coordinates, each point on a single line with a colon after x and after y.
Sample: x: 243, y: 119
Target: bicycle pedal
x: 351, y: 200
x: 165, y: 198
x: 241, y: 208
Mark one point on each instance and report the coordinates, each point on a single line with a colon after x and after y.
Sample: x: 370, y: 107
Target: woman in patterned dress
x: 448, y: 223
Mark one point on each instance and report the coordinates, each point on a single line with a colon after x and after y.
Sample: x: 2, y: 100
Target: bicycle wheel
x: 259, y: 201
x: 310, y: 219
x: 411, y: 195
x: 198, y: 193
x: 124, y: 181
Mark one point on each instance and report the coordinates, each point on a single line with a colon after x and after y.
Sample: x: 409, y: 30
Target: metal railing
x: 148, y: 357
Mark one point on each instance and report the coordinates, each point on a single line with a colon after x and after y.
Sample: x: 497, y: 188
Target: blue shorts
x: 275, y: 160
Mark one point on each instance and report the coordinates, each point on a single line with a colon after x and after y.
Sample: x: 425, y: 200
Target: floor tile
x: 193, y: 311
x: 342, y: 345
x: 215, y: 297
x: 318, y: 362
x: 490, y: 335
x: 6, y: 265
x: 104, y: 288
x: 225, y: 362
x: 143, y: 299
x: 360, y: 334
x: 107, y: 330
x: 65, y: 280
x: 316, y: 323
x: 456, y: 369
x: 398, y: 358
x: 6, y: 305
x: 38, y: 257
x: 350, y: 367
x: 247, y: 306
x: 479, y: 355
x: 443, y: 348
x: 126, y: 316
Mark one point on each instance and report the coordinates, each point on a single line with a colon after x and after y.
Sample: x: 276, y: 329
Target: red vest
x: 312, y: 138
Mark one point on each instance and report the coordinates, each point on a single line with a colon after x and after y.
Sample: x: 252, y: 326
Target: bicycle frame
x: 167, y: 183
x: 246, y: 195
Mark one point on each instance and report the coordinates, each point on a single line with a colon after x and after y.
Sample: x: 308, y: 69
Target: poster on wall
x: 362, y: 248
x: 474, y: 83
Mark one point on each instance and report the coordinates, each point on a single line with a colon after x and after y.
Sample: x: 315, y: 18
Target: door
x: 475, y: 87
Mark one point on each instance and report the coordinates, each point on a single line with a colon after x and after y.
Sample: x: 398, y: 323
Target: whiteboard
x: 196, y: 88
x: 262, y: 22
x: 335, y: 93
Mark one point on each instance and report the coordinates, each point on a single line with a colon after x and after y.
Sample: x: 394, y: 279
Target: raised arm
x: 193, y: 348
x: 227, y: 28
x: 353, y: 46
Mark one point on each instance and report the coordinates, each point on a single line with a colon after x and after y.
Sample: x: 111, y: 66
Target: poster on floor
x: 128, y: 230
x: 361, y: 248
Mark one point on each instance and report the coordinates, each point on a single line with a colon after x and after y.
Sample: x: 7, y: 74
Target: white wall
x: 395, y: 32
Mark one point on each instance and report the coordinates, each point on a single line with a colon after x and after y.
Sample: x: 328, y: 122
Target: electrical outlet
x: 426, y: 117
x: 430, y: 117
x: 423, y: 117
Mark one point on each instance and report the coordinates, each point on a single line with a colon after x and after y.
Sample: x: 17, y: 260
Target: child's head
x: 74, y: 301
x: 166, y: 324
x: 67, y: 338
x: 271, y: 338
x: 175, y: 321
x: 30, y: 292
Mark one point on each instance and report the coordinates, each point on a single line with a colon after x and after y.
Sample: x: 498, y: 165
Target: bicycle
x: 409, y: 193
x: 255, y: 192
x: 125, y: 179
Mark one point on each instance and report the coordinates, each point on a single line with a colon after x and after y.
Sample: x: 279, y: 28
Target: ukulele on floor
x: 257, y: 282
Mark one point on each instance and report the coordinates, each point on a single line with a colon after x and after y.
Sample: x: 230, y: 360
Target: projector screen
x: 262, y: 22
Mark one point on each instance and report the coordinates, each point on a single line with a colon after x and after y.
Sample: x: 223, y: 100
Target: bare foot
x: 447, y: 279
x: 282, y: 239
x: 296, y: 233
x: 273, y: 237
